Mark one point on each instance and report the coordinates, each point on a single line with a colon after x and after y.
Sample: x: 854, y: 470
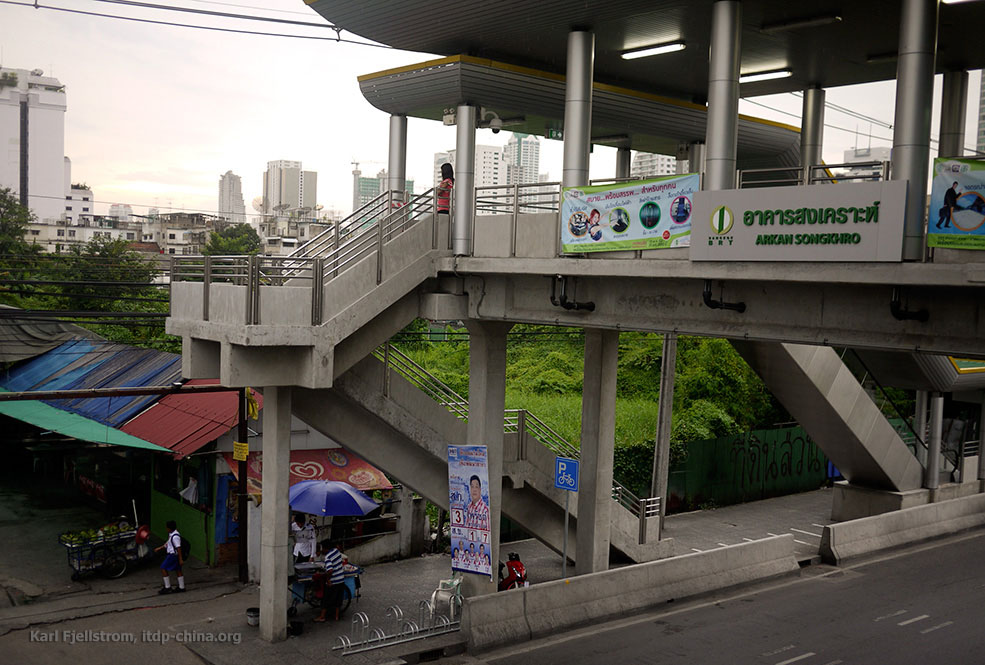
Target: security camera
x: 496, y: 125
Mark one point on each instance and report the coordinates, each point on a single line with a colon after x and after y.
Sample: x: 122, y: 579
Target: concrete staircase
x: 404, y: 425
x: 820, y: 392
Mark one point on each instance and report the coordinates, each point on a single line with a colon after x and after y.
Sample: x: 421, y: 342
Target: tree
x: 14, y: 219
x: 236, y: 239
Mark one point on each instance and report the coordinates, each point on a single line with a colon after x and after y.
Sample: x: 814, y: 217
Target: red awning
x: 321, y: 464
x: 185, y: 423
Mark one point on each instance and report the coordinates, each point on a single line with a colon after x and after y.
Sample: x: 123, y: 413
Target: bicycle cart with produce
x: 308, y: 578
x: 107, y: 551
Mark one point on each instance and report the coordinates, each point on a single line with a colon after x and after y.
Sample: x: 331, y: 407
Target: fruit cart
x: 107, y: 551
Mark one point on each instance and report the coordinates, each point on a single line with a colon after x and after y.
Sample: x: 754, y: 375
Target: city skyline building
x: 32, y: 133
x: 231, y: 204
x: 365, y: 189
x: 490, y: 165
x: 867, y: 154
x: 288, y: 188
x: 648, y: 165
x: 522, y: 156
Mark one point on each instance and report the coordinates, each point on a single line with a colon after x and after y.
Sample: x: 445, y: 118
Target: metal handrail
x: 366, y: 213
x: 810, y: 175
x: 512, y: 418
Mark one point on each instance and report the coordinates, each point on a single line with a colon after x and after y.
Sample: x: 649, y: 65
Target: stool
x: 448, y: 591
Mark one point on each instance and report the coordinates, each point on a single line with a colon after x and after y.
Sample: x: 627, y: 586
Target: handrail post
x: 206, y: 282
x: 379, y: 250
x: 521, y: 429
x: 251, y: 285
x: 386, y: 368
x: 513, y: 223
x: 317, y: 283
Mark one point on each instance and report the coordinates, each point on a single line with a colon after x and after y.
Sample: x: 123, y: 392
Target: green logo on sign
x: 721, y: 220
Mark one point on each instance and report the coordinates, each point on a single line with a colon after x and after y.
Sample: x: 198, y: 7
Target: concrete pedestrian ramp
x: 821, y: 393
x: 383, y: 417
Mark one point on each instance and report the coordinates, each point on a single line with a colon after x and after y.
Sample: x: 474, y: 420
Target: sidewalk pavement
x: 208, y: 622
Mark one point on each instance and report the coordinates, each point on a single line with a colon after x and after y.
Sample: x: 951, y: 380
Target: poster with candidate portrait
x: 644, y: 214
x: 957, y: 205
x: 468, y: 507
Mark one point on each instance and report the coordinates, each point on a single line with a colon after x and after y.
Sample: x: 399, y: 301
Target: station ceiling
x: 823, y: 42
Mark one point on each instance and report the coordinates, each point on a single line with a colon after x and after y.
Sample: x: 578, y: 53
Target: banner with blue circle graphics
x: 957, y: 204
x: 644, y: 214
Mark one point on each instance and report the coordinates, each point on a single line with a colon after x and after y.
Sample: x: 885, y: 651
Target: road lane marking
x: 802, y: 542
x: 816, y: 535
x: 695, y: 549
x: 835, y: 662
x: 770, y: 534
x: 722, y: 545
x: 890, y: 616
x: 748, y: 540
x: 933, y: 628
x: 820, y: 526
x: 775, y: 652
x: 796, y: 658
x: 913, y: 620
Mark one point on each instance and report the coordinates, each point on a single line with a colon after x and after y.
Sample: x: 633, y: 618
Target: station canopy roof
x: 823, y: 42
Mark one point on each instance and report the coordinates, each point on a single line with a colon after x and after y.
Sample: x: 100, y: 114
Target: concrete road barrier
x: 543, y: 609
x: 847, y: 540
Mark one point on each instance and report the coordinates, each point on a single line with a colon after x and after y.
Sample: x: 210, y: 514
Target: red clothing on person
x: 444, y: 194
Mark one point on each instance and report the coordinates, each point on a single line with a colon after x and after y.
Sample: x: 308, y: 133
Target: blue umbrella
x: 329, y: 497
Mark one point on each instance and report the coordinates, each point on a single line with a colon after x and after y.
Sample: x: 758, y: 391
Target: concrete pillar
x: 623, y: 162
x: 665, y: 411
x: 487, y: 401
x: 396, y: 174
x: 578, y: 108
x: 811, y: 128
x: 598, y: 435
x: 274, y: 521
x: 911, y: 127
x: 721, y: 135
x: 696, y: 160
x: 933, y: 473
x: 981, y: 447
x: 464, y: 179
x: 954, y: 107
x: 920, y: 425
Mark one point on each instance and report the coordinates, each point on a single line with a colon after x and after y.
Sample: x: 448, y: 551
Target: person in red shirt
x: 443, y: 191
x: 477, y: 512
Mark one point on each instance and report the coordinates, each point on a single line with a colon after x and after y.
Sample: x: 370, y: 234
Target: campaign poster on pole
x: 468, y: 502
x: 644, y: 214
x: 957, y: 205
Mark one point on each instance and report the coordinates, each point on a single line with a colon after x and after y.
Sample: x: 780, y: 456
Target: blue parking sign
x: 566, y: 474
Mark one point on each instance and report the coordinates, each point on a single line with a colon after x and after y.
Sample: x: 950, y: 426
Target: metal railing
x: 395, y: 629
x: 519, y: 421
x: 813, y: 175
x: 515, y: 200
x: 366, y: 233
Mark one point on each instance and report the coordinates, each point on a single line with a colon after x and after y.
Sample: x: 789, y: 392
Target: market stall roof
x: 318, y: 464
x: 185, y: 423
x: 22, y: 338
x: 85, y: 363
x: 48, y: 417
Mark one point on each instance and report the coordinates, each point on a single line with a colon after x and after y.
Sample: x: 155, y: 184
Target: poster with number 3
x: 468, y: 501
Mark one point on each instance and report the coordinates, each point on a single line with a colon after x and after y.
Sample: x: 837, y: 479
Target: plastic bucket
x: 253, y: 616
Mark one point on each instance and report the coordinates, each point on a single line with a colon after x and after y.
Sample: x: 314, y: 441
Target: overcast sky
x: 157, y: 113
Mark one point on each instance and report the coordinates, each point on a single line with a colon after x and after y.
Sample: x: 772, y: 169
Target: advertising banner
x: 957, y: 204
x: 844, y: 222
x: 468, y: 503
x: 644, y: 214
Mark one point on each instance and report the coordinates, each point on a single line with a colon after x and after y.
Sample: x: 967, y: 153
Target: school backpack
x: 186, y: 547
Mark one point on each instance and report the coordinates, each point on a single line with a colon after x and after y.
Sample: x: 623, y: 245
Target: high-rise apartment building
x: 121, y: 211
x: 288, y: 189
x: 490, y: 165
x: 231, y: 204
x: 522, y: 155
x: 32, y: 140
x: 648, y: 165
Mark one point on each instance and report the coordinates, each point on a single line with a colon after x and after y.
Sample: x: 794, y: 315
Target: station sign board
x: 839, y: 222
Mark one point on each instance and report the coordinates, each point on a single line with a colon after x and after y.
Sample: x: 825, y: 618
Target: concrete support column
x: 487, y: 400
x: 665, y: 411
x: 396, y: 174
x: 911, y: 128
x: 623, y: 162
x: 696, y: 160
x: 920, y: 425
x: 598, y: 434
x: 954, y: 107
x: 933, y: 475
x: 464, y: 179
x: 981, y: 448
x: 722, y: 133
x: 578, y: 108
x: 811, y: 128
x: 274, y: 525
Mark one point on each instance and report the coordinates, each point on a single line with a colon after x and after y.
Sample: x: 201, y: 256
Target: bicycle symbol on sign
x: 566, y: 474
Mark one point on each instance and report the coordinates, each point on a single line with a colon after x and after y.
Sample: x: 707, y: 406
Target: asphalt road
x: 922, y: 605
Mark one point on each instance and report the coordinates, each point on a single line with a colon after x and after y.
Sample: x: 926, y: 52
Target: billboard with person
x: 644, y: 214
x: 468, y: 507
x: 957, y: 205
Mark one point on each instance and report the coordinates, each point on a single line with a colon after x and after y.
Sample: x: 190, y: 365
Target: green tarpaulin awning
x: 47, y: 417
